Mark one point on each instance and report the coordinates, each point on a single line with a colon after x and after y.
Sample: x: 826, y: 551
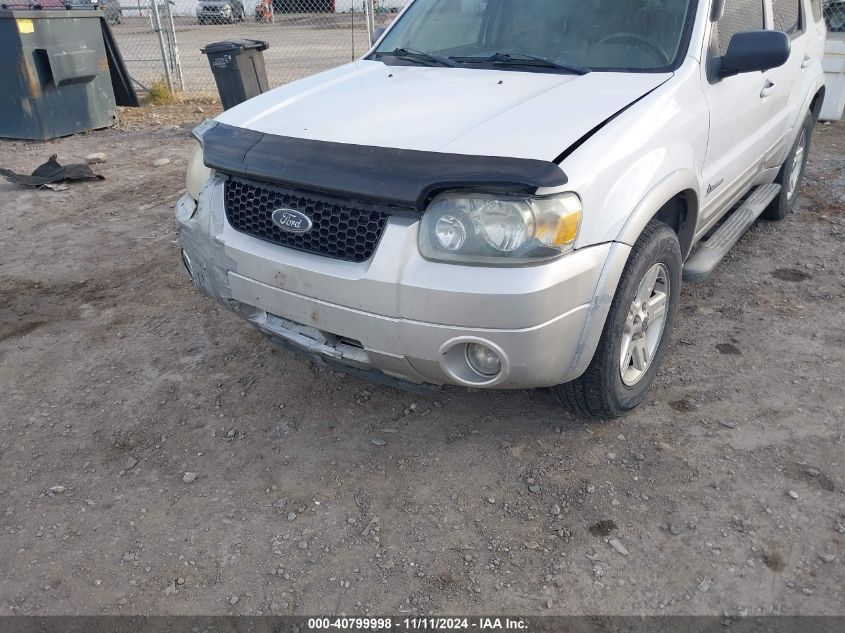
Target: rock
x: 611, y: 456
x: 198, y: 110
x: 57, y: 490
x: 827, y: 558
x: 189, y: 478
x: 180, y: 581
x: 792, y: 494
x: 704, y: 585
x: 96, y: 158
x: 728, y: 424
x: 171, y: 589
x: 491, y: 501
x: 639, y: 457
x: 840, y: 527
x: 234, y: 600
x: 616, y: 544
x: 378, y: 442
x: 302, y: 545
x: 674, y: 531
x: 231, y: 433
x: 807, y: 591
x: 291, y: 516
x: 533, y: 488
x: 130, y: 463
x: 663, y: 446
x: 161, y: 162
x: 555, y: 510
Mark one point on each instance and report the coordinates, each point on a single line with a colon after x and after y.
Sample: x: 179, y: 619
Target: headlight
x: 198, y: 173
x: 489, y: 229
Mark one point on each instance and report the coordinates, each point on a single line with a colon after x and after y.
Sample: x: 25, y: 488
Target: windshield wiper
x: 524, y: 59
x: 411, y: 54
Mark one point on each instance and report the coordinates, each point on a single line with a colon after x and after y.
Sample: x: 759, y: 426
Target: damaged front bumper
x: 400, y: 316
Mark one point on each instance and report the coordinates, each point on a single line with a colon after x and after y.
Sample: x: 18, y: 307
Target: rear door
x: 742, y: 131
x: 793, y: 80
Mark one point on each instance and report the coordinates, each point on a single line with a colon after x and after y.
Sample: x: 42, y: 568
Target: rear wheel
x: 792, y: 174
x: 636, y: 333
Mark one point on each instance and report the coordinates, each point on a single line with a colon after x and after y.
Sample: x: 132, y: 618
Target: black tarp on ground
x: 49, y: 173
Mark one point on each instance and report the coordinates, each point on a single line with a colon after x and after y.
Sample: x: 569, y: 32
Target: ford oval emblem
x: 292, y: 221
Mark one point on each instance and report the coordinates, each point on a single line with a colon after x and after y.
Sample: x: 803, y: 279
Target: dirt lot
x: 725, y: 489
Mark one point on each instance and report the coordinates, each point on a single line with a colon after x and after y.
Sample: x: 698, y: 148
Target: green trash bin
x: 56, y: 78
x: 238, y: 69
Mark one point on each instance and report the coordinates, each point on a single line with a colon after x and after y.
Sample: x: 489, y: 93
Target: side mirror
x: 377, y: 33
x: 754, y: 51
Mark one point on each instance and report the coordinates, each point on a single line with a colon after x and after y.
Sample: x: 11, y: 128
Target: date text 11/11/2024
x: 419, y: 624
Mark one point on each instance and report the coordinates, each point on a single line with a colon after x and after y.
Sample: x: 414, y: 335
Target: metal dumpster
x: 56, y: 78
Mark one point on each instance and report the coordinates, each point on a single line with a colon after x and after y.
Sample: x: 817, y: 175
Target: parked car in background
x: 220, y: 11
x: 507, y: 195
x: 111, y: 10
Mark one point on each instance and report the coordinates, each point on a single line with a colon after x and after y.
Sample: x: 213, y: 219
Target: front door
x: 742, y: 129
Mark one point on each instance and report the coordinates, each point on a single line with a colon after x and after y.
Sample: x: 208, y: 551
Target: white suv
x: 507, y: 194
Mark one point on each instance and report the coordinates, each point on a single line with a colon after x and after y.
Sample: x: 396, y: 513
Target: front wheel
x: 636, y: 333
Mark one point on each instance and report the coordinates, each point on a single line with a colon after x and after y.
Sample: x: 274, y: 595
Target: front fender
x: 679, y: 181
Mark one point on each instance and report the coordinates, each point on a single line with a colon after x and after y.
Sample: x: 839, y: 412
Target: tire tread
x: 585, y: 396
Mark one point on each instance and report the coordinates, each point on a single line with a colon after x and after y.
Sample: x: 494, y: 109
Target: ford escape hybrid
x: 507, y: 194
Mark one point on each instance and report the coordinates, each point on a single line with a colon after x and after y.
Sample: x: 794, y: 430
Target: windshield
x: 543, y: 35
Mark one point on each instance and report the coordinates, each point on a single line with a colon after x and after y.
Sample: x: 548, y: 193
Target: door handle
x: 768, y: 89
x: 806, y: 62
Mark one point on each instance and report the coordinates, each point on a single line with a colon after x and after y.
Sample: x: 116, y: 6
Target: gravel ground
x: 159, y: 456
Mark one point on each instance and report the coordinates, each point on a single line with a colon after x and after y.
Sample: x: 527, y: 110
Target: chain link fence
x: 163, y: 42
x: 834, y: 16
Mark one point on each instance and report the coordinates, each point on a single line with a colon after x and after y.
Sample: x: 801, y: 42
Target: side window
x: 787, y: 16
x: 739, y: 16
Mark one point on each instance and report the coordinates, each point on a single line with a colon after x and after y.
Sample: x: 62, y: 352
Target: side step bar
x: 699, y: 266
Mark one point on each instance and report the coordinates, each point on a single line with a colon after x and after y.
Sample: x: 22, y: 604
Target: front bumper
x: 400, y: 314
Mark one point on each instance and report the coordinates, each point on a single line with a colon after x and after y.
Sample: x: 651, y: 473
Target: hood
x: 452, y: 110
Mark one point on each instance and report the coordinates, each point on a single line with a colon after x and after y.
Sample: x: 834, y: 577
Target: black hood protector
x: 397, y: 177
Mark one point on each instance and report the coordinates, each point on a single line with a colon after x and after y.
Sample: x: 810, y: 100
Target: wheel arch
x: 674, y: 201
x: 817, y: 102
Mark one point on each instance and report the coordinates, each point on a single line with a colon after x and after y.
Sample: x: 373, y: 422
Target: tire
x: 790, y: 184
x: 602, y: 392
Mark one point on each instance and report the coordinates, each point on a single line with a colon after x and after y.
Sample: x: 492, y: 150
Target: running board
x: 699, y: 266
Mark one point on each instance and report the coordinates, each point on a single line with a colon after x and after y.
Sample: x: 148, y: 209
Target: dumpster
x: 833, y: 108
x: 238, y: 68
x: 56, y: 81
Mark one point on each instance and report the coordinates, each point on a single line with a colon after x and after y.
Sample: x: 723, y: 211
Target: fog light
x: 483, y: 360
